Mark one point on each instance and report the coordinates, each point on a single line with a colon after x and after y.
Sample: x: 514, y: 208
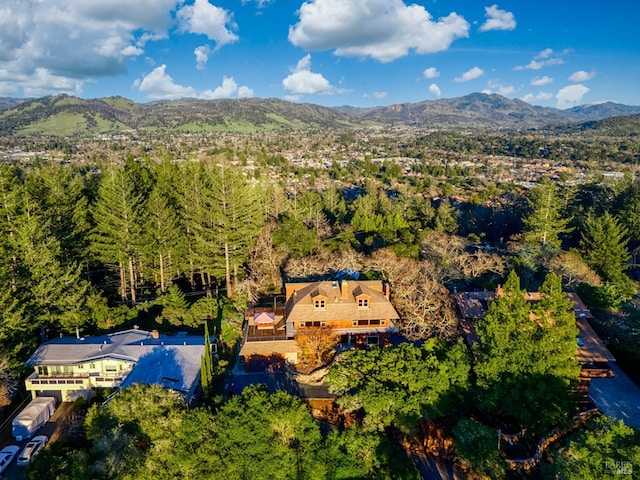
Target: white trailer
x: 32, y: 417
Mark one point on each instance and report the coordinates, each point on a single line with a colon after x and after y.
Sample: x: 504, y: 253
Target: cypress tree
x: 206, y: 364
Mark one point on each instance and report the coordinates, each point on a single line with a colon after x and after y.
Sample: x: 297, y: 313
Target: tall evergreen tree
x: 604, y: 241
x: 61, y: 196
x: 192, y: 191
x: 545, y: 223
x: 206, y: 367
x: 118, y: 218
x: 162, y: 238
x: 56, y: 293
x: 446, y: 218
x: 238, y: 218
x: 526, y: 365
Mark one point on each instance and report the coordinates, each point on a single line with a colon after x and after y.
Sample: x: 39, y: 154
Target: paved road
x: 618, y: 397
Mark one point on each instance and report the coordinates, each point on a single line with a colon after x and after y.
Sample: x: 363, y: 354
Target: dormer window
x: 363, y: 302
x: 319, y: 304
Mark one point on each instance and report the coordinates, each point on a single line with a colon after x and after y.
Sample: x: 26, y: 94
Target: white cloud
x: 228, y: 89
x: 542, y: 59
x: 381, y: 29
x: 431, y: 72
x: 202, y: 56
x: 70, y: 42
x: 245, y: 92
x: 158, y: 85
x: 435, y: 90
x: 546, y: 53
x: 303, y: 81
x: 131, y: 51
x: 537, y: 98
x: 472, y: 74
x: 376, y: 95
x: 204, y: 18
x: 497, y: 19
x: 259, y: 3
x: 495, y: 86
x: 582, y: 76
x: 540, y: 81
x: 532, y: 65
x: 570, y: 96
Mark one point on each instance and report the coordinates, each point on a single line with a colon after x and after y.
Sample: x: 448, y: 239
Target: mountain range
x: 65, y: 115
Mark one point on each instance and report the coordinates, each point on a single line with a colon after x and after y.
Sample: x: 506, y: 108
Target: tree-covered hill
x: 620, y: 126
x: 474, y: 110
x: 64, y: 115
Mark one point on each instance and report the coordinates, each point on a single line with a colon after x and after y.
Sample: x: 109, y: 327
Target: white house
x: 71, y: 367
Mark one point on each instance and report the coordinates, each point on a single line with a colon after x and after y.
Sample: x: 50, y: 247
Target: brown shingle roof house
x: 346, y: 307
x: 358, y: 312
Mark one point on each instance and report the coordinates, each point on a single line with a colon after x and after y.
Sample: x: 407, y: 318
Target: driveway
x: 277, y: 381
x: 617, y: 397
x: 51, y: 429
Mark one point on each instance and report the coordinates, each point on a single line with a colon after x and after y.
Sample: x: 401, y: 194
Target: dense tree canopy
x: 401, y: 385
x: 606, y: 449
x: 527, y: 365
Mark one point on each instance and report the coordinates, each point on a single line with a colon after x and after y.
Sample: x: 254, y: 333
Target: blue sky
x: 330, y: 52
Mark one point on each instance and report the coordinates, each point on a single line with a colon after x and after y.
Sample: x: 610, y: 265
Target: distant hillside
x: 622, y: 126
x: 475, y: 110
x: 10, y: 102
x: 63, y: 115
x: 600, y: 111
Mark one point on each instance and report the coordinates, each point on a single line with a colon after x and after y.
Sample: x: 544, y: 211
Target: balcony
x: 44, y: 382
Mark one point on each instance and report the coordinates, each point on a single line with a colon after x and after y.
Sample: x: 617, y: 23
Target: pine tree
x: 545, y: 223
x: 60, y: 194
x: 193, y: 189
x: 604, y: 241
x: 526, y: 364
x: 162, y: 238
x: 117, y: 214
x: 206, y: 364
x: 446, y: 218
x: 237, y: 220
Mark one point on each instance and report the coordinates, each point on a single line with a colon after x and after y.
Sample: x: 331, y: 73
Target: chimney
x: 499, y: 292
x: 155, y: 334
x: 386, y: 290
x: 344, y: 289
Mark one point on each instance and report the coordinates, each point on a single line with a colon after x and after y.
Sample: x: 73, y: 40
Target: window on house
x: 323, y: 324
x: 303, y: 324
x: 363, y: 303
x: 319, y: 304
x: 383, y: 322
x: 110, y: 368
x: 373, y: 340
x: 363, y: 322
x: 374, y: 322
x: 354, y: 323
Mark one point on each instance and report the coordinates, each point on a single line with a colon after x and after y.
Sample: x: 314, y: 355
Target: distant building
x: 358, y: 312
x: 71, y: 367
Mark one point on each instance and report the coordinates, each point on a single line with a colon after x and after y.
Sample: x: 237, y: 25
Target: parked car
x: 7, y: 454
x: 31, y: 449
